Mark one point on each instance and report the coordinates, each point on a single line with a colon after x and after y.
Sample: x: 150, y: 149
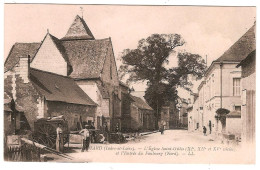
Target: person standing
x: 86, y: 138
x: 162, y: 129
x: 59, y: 138
x: 209, y: 127
x: 204, y: 130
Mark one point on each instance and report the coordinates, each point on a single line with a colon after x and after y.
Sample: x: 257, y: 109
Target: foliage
x: 147, y: 63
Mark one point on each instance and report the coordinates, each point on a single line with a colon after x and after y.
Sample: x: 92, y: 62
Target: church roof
x: 79, y: 30
x: 59, y: 88
x: 241, y: 48
x: 87, y: 57
x: 20, y: 50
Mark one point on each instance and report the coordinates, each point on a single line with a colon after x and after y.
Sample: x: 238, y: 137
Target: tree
x: 147, y: 63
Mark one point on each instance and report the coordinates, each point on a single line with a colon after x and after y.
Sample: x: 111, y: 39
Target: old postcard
x: 129, y: 84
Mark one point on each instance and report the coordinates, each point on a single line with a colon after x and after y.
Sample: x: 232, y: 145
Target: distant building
x: 137, y: 115
x: 248, y: 76
x: 182, y: 112
x: 193, y: 113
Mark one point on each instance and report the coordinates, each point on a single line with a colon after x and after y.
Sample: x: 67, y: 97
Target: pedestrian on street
x: 209, y: 127
x: 59, y: 138
x: 86, y: 138
x: 204, y: 130
x: 162, y: 129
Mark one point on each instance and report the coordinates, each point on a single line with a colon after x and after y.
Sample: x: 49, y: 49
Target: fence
x: 23, y: 153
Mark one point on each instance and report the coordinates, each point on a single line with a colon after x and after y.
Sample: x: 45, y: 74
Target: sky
x: 206, y: 30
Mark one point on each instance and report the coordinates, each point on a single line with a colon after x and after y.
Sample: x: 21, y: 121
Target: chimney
x: 24, y: 65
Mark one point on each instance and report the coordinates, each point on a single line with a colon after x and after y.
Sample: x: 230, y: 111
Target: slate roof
x: 87, y: 57
x: 140, y: 103
x: 18, y: 50
x: 241, y: 48
x: 79, y: 30
x: 59, y: 88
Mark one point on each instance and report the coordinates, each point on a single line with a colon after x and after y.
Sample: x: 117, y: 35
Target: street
x: 174, y: 146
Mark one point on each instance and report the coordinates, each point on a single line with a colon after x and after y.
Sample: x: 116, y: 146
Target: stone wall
x: 73, y: 113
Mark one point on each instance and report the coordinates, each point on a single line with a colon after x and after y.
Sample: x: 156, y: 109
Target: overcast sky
x: 207, y: 30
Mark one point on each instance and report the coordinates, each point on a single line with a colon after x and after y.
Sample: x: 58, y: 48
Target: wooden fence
x: 23, y: 153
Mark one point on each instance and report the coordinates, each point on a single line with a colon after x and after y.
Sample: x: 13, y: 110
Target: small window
x: 238, y: 108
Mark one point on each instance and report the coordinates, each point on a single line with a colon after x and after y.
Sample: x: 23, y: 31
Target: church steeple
x: 79, y: 31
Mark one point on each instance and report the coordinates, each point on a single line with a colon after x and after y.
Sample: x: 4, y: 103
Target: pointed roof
x: 241, y: 48
x: 20, y: 50
x: 79, y: 30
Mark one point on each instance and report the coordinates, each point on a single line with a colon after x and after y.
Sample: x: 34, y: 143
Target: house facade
x: 221, y: 88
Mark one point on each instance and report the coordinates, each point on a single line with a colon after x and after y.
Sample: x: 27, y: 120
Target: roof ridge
x: 237, y: 41
x: 103, y: 39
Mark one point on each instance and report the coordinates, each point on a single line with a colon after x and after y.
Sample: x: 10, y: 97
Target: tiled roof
x: 86, y: 57
x: 140, y: 103
x: 79, y: 31
x: 18, y: 50
x: 240, y: 49
x: 59, y: 88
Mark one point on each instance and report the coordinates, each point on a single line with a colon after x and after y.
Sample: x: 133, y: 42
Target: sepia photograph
x: 129, y: 84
